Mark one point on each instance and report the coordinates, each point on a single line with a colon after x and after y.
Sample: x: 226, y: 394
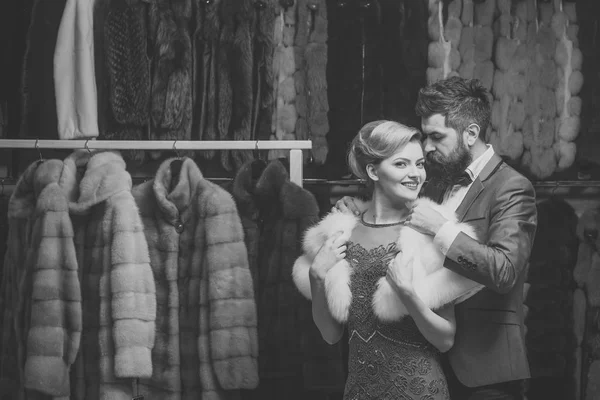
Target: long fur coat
x: 419, y: 260
x: 206, y: 340
x: 276, y: 213
x: 87, y: 293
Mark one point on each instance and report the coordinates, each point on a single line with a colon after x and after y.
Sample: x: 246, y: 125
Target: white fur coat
x: 419, y: 260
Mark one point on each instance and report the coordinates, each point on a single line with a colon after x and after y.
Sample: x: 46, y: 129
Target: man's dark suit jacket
x: 489, y: 346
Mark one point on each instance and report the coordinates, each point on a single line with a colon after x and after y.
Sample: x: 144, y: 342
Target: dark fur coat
x: 275, y: 213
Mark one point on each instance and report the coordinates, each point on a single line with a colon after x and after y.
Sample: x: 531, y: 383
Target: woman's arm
x: 330, y: 329
x: 332, y: 251
x: 437, y: 327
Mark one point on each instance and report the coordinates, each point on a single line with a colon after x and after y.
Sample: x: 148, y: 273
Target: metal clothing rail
x: 294, y: 146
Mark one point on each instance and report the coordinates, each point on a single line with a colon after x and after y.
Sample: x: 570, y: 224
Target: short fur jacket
x: 419, y: 260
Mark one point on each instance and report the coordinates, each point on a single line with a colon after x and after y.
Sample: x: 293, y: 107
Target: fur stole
x: 419, y: 260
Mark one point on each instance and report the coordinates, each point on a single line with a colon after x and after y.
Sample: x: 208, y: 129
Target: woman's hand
x: 332, y: 251
x: 400, y: 277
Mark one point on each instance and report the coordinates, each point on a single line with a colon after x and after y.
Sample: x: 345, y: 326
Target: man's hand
x: 347, y: 205
x: 425, y: 219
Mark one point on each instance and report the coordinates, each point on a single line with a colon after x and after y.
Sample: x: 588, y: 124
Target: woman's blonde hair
x: 377, y: 141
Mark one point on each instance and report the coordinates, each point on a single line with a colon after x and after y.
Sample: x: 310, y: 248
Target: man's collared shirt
x: 448, y: 232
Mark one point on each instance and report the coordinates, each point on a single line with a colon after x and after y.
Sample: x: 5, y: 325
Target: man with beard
x: 488, y: 358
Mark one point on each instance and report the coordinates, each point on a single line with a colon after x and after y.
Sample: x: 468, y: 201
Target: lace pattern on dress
x: 386, y: 360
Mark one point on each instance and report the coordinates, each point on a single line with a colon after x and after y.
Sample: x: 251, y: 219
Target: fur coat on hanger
x: 206, y: 341
x: 122, y: 69
x: 275, y: 212
x: 419, y: 260
x: 91, y: 300
x: 171, y: 81
x: 37, y: 86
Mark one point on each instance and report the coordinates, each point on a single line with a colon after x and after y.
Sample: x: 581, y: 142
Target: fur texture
x: 289, y: 343
x: 284, y: 67
x: 263, y: 70
x: 419, y: 259
x: 206, y: 339
x: 211, y: 27
x: 171, y: 98
x: 53, y: 335
x: 88, y: 229
x: 126, y: 39
x: 241, y: 123
x: 311, y: 81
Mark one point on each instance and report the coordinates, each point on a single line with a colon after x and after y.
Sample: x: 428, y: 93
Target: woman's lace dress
x: 386, y: 360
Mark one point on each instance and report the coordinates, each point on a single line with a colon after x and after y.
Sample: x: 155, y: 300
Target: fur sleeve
x: 133, y: 296
x: 229, y: 336
x: 55, y: 331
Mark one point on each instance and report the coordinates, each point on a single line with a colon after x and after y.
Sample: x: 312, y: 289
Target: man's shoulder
x: 508, y: 177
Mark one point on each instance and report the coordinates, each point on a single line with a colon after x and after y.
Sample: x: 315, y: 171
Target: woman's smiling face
x: 400, y: 176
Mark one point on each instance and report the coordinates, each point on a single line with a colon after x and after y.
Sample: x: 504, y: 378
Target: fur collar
x: 31, y: 183
x: 419, y: 260
x: 85, y: 180
x: 91, y: 178
x: 175, y: 204
x: 273, y: 188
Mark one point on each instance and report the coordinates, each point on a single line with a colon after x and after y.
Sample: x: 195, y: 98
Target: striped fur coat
x: 86, y: 293
x: 206, y: 340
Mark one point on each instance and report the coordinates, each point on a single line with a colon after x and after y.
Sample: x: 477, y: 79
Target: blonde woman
x: 382, y: 280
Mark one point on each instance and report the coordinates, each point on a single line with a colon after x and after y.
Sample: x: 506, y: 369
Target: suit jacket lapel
x: 472, y: 194
x: 478, y: 186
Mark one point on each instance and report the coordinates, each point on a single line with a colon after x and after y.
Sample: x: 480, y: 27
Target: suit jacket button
x: 460, y: 259
x: 179, y: 227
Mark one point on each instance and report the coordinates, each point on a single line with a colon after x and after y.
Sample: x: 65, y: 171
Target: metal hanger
x: 37, y: 147
x: 85, y: 146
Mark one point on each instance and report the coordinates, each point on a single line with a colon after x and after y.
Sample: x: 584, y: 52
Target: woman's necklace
x: 371, y: 225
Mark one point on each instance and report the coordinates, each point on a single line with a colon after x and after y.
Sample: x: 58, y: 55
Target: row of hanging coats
x: 168, y: 70
x: 175, y: 288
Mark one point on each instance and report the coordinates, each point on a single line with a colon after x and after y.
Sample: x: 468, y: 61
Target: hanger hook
x: 37, y: 147
x: 87, y: 147
x: 175, y: 149
x: 555, y: 188
x: 256, y: 150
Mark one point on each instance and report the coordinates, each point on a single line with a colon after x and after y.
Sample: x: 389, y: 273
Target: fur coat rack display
x: 187, y: 70
x: 78, y: 281
x: 109, y: 291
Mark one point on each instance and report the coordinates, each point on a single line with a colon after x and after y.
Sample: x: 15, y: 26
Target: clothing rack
x: 294, y: 146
